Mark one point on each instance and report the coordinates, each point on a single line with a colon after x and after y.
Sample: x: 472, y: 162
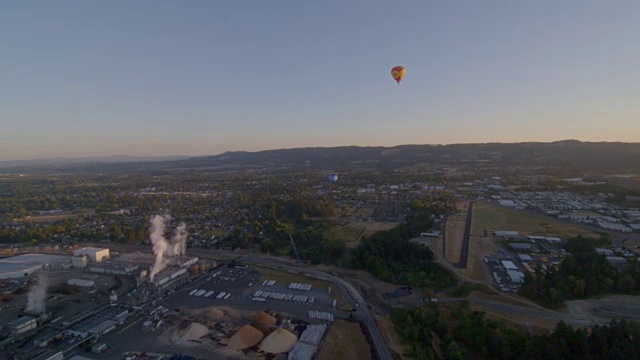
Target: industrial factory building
x: 100, y: 323
x: 22, y: 325
x: 20, y: 266
x: 95, y: 254
x: 150, y: 259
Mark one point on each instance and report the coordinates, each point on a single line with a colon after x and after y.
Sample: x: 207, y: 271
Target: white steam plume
x: 160, y: 244
x: 36, y: 300
x: 179, y: 240
x: 163, y: 247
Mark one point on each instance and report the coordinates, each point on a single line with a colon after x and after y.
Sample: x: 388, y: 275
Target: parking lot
x: 505, y: 272
x: 247, y: 288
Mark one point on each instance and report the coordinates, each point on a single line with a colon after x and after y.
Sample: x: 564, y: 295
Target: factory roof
x: 509, y: 265
x: 503, y: 233
x: 27, y: 262
x: 18, y: 322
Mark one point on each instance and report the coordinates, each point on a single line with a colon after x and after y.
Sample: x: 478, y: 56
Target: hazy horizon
x: 156, y: 78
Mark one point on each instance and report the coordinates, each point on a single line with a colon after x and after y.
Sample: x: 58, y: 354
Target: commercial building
x: 95, y: 254
x: 20, y: 266
x: 509, y: 265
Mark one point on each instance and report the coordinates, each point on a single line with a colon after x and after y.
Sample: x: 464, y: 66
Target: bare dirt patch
x: 454, y: 235
x: 374, y: 227
x: 479, y: 247
x: 391, y: 337
x: 345, y: 341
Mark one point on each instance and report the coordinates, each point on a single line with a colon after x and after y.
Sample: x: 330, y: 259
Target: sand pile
x: 279, y: 341
x: 194, y: 332
x: 215, y: 314
x: 263, y: 321
x: 246, y: 337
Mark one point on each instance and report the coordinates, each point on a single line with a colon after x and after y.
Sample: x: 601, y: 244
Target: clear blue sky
x: 202, y: 77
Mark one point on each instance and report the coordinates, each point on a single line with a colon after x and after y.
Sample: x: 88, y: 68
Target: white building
x: 95, y: 254
x: 516, y: 276
x: 615, y: 227
x: 80, y: 261
x: 509, y: 265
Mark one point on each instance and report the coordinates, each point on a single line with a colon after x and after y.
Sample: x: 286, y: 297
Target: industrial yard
x: 94, y: 303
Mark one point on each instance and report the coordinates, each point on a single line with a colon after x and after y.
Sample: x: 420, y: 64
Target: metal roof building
x: 23, y: 265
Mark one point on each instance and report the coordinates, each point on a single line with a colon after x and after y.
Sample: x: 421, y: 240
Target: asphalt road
x: 464, y: 251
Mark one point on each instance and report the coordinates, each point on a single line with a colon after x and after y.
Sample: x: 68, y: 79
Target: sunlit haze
x: 83, y: 78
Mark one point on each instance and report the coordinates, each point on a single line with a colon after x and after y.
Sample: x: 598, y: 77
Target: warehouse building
x: 95, y: 254
x: 20, y: 266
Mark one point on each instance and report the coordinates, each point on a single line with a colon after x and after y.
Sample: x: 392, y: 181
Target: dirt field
x: 345, y: 341
x: 60, y: 216
x: 492, y: 217
x: 373, y: 227
x: 455, y: 233
x: 350, y: 234
x: 391, y: 337
x: 479, y: 247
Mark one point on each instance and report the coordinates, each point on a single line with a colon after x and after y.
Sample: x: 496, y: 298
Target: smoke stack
x: 36, y: 300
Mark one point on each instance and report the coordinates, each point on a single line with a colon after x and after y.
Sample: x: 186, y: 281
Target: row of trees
x: 390, y: 256
x: 469, y: 334
x: 583, y: 274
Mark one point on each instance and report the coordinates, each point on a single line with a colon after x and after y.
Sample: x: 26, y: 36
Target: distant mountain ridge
x: 88, y: 159
x: 569, y: 153
x: 574, y: 154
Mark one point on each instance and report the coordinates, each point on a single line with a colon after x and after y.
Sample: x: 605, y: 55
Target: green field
x: 350, y: 234
x: 491, y: 217
x: 220, y: 233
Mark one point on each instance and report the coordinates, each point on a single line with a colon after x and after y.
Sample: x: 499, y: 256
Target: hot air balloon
x: 333, y: 178
x: 398, y: 73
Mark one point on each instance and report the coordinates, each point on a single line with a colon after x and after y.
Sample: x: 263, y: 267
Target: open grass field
x: 60, y: 216
x: 490, y: 217
x: 350, y: 234
x: 345, y: 341
x: 374, y: 227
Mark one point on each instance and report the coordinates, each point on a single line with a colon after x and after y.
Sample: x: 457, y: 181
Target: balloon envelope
x: 398, y: 73
x: 333, y: 178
